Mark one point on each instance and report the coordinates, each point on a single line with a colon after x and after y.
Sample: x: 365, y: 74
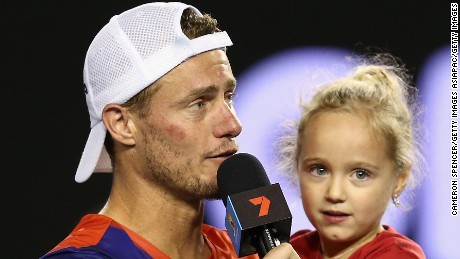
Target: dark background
x: 45, y: 122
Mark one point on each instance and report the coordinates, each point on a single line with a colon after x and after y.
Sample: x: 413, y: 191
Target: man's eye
x: 229, y: 98
x: 199, y: 104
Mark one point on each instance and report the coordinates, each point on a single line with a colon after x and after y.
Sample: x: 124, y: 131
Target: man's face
x: 191, y: 127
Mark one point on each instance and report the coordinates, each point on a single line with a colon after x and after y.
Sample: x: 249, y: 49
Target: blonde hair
x: 380, y: 91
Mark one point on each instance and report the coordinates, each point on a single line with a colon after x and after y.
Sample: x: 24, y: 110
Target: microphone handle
x: 265, y: 241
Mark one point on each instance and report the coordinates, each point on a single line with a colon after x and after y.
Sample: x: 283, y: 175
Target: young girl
x: 354, y: 150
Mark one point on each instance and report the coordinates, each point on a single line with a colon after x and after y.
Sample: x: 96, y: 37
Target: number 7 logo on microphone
x: 265, y: 205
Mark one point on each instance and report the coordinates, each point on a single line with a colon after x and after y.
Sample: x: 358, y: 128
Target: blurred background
x: 279, y: 47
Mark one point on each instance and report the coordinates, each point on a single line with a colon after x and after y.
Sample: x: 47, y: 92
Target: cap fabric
x: 128, y: 54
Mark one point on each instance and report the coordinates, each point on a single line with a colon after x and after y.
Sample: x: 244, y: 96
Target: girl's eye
x: 318, y: 170
x: 361, y: 174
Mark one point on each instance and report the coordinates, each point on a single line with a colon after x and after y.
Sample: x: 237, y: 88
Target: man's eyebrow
x: 209, y: 90
x: 212, y: 89
x: 206, y: 90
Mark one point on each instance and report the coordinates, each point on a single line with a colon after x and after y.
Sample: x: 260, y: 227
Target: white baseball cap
x: 128, y: 54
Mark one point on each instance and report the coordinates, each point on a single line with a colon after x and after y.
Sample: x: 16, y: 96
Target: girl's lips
x: 335, y: 217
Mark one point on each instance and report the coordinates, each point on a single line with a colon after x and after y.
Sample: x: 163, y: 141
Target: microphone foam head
x: 238, y: 173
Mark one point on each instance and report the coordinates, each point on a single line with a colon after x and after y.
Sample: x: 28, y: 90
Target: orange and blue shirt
x: 98, y: 236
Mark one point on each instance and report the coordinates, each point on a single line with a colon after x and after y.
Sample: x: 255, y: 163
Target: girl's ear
x: 401, y: 180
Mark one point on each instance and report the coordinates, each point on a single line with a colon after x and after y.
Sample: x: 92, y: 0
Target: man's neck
x: 170, y: 224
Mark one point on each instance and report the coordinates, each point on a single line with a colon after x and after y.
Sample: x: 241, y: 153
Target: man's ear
x: 119, y: 123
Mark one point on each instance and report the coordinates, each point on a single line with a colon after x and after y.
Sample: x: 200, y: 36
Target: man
x: 159, y: 91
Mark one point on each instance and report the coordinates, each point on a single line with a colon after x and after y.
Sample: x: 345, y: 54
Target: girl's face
x: 346, y: 177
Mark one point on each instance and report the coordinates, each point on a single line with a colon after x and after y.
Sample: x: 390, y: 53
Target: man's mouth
x: 225, y: 154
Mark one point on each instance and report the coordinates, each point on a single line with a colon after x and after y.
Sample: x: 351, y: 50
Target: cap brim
x: 92, y: 153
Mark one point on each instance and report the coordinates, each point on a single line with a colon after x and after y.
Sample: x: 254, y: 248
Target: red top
x: 98, y: 234
x: 387, y: 244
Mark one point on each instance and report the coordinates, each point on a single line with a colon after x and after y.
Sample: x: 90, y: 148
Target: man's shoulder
x: 97, y: 236
x: 88, y: 232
